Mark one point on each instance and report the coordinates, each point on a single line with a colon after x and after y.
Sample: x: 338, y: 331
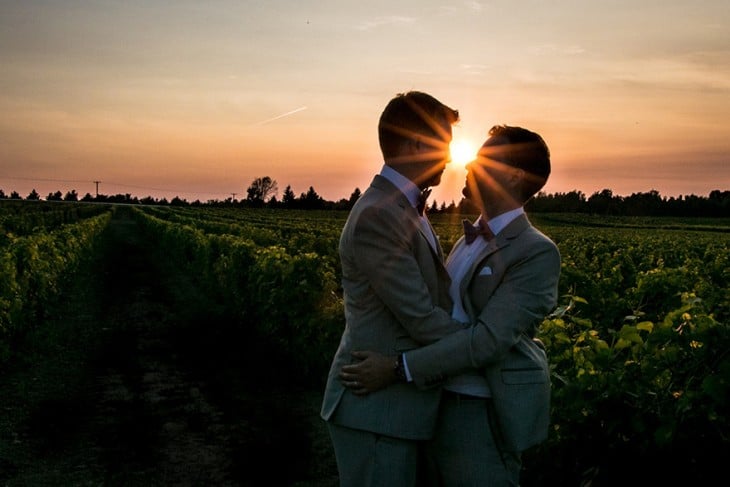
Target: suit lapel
x: 437, y: 251
x: 502, y: 240
x: 398, y: 198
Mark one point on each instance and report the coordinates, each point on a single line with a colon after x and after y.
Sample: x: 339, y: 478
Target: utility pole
x: 97, y: 188
x: 234, y: 196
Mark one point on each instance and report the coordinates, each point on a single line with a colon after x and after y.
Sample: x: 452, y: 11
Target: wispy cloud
x: 269, y: 120
x: 673, y: 73
x: 382, y: 21
x: 473, y: 69
x: 471, y: 7
x: 544, y: 49
x: 477, y: 6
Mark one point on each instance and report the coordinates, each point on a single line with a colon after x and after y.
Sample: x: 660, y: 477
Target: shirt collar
x: 499, y: 222
x: 405, y: 185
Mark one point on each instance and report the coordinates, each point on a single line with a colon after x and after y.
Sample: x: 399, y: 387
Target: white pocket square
x: 486, y: 271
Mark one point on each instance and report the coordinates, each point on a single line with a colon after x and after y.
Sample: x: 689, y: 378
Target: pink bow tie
x: 471, y: 232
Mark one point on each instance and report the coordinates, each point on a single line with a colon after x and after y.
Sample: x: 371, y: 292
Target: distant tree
x: 574, y: 201
x: 178, y: 202
x: 466, y: 207
x: 71, y: 196
x: 644, y: 204
x: 118, y: 198
x: 2, y: 195
x: 341, y: 204
x: 33, y: 195
x: 261, y: 189
x: 57, y: 196
x: 87, y: 198
x: 289, y: 198
x: 354, y: 197
x: 15, y: 196
x: 719, y: 203
x: 602, y: 203
x: 311, y: 200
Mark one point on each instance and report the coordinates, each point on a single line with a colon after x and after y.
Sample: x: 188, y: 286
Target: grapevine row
x: 33, y: 268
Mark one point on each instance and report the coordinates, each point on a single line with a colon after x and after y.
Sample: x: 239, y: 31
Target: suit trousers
x: 366, y: 459
x: 465, y: 448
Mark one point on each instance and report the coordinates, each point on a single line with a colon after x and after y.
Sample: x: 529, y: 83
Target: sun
x: 463, y: 151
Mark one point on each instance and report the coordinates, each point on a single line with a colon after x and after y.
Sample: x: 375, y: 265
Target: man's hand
x: 372, y: 373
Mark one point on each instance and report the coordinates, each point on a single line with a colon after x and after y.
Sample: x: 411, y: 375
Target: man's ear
x: 517, y: 175
x: 411, y: 146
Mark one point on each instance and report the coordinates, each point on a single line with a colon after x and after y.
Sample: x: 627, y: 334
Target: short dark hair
x: 523, y: 149
x: 413, y: 116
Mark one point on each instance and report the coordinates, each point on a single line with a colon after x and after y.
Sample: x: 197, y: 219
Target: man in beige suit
x: 495, y: 376
x: 396, y: 297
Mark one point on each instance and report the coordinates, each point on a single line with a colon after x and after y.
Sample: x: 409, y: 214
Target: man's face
x: 487, y: 182
x: 423, y: 157
x: 435, y: 157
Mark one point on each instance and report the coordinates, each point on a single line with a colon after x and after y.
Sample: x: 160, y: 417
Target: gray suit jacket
x: 396, y: 299
x: 507, y: 292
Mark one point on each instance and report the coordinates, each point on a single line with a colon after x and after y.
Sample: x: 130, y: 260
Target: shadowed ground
x: 134, y: 380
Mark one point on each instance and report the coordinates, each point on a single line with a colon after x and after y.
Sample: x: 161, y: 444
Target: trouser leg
x: 464, y: 450
x: 366, y: 459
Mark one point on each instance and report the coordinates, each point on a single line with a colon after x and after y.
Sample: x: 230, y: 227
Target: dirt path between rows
x: 122, y: 386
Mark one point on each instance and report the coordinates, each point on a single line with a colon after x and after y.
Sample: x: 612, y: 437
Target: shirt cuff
x: 405, y: 368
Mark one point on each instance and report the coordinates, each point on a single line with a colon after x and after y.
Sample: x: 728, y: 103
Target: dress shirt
x: 460, y: 260
x: 458, y: 264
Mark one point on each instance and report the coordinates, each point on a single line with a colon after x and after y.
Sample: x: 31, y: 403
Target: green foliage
x: 641, y: 387
x: 295, y: 299
x: 287, y: 294
x: 638, y: 345
x: 34, y: 267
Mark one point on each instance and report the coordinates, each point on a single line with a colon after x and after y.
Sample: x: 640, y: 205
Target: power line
x: 112, y: 184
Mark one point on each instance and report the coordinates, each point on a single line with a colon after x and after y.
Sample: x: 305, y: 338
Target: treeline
x: 262, y: 194
x: 716, y: 204
x: 309, y: 200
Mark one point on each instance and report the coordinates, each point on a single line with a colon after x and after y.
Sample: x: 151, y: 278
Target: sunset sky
x: 196, y: 99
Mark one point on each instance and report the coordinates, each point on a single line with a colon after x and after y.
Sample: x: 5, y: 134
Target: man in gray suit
x: 396, y: 297
x: 496, y: 399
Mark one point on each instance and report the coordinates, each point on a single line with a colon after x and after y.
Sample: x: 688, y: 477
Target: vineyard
x: 639, y: 344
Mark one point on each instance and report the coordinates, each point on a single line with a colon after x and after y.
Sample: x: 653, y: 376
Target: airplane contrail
x: 280, y: 116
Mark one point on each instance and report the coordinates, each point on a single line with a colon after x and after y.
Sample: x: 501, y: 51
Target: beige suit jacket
x: 507, y: 292
x: 396, y: 299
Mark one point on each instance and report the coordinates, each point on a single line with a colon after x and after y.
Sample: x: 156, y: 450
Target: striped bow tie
x: 471, y: 232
